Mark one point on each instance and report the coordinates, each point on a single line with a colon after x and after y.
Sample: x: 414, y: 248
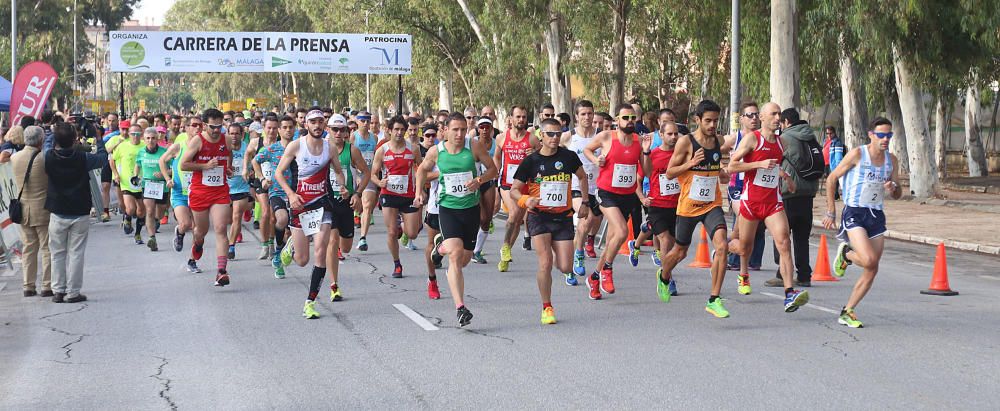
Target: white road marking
x: 988, y: 277
x: 417, y: 318
x: 925, y: 265
x: 2, y: 286
x: 810, y: 305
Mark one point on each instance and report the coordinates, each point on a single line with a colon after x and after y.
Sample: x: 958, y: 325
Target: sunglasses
x: 751, y: 115
x: 432, y: 135
x: 470, y: 117
x: 546, y: 115
x: 215, y: 126
x: 227, y: 119
x: 340, y: 129
x: 135, y: 134
x: 884, y: 135
x: 364, y: 119
x: 628, y: 118
x: 552, y: 133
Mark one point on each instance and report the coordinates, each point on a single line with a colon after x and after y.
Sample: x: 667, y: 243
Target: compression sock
x: 315, y: 281
x: 481, y: 240
x: 220, y: 262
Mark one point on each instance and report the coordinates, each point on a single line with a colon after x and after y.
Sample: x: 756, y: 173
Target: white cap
x: 337, y: 120
x: 314, y: 114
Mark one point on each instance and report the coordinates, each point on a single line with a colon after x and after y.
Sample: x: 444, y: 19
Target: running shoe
x: 594, y: 284
x: 309, y: 311
x: 105, y: 217
x: 157, y: 229
x: 197, y: 250
x: 192, y: 267
x: 279, y: 272
x: 276, y: 261
x: 357, y: 221
x: 633, y: 254
x: 397, y: 272
x: 743, y: 284
x: 405, y: 240
x: 505, y: 259
x: 164, y: 220
x: 526, y: 245
x: 841, y: 262
x: 138, y: 238
x: 491, y: 227
x: 849, y: 318
x: 127, y: 227
x: 264, y: 252
x: 152, y: 244
x: 656, y: 258
x: 221, y: 279
x: 247, y: 215
x: 578, y: 267
x: 231, y: 254
x: 432, y: 290
x: 795, y: 299
x: 363, y: 244
x: 335, y: 293
x: 256, y: 225
x: 239, y: 238
x: 178, y: 240
x: 340, y: 255
x: 589, y: 247
x: 286, y: 255
x: 571, y: 279
x: 412, y: 246
x: 477, y: 257
x: 672, y: 286
x: 548, y: 315
x: 436, y: 256
x: 607, y: 280
x: 464, y: 316
x: 717, y: 309
x: 662, y: 288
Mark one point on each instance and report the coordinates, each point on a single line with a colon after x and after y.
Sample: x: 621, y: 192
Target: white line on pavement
x: 2, y: 286
x: 417, y: 318
x: 7, y: 273
x: 988, y: 277
x: 813, y: 306
x: 925, y: 265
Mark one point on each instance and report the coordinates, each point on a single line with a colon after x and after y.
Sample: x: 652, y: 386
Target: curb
x: 957, y: 245
x: 971, y: 188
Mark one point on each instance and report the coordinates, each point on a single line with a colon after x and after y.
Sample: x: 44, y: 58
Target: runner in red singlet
x: 397, y: 159
x: 512, y: 147
x: 210, y: 159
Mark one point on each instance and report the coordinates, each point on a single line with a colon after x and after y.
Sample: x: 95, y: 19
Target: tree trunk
x: 445, y: 91
x: 554, y: 48
x: 784, y: 54
x: 472, y: 22
x: 897, y: 145
x: 941, y: 127
x: 973, y: 138
x: 853, y: 100
x: 923, y: 172
x: 617, y: 94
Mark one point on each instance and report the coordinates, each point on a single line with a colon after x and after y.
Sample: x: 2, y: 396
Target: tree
x: 784, y: 54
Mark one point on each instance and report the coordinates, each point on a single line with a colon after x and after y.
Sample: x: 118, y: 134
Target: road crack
x: 383, y: 278
x: 165, y: 382
x: 68, y: 347
x: 830, y: 343
x: 438, y: 322
x: 82, y: 307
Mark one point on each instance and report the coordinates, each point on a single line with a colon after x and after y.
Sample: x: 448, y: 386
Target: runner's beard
x: 628, y: 129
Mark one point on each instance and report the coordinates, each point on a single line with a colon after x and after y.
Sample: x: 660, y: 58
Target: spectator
x: 48, y: 119
x: 833, y: 149
x: 35, y: 223
x: 27, y: 121
x: 795, y: 137
x: 12, y: 143
x: 69, y: 201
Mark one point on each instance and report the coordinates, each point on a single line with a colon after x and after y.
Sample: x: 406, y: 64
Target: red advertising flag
x: 32, y: 86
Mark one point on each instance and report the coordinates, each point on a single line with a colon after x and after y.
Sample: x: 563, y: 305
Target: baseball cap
x: 315, y: 114
x: 161, y: 129
x: 484, y: 120
x: 124, y: 124
x: 364, y: 115
x: 337, y: 120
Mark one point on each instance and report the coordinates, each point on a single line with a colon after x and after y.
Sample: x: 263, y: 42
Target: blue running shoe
x: 578, y: 268
x: 656, y: 258
x: 795, y: 299
x: 672, y: 286
x: 570, y: 279
x: 633, y: 254
x: 276, y: 260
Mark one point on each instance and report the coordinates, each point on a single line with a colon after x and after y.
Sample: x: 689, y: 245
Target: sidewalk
x: 961, y: 220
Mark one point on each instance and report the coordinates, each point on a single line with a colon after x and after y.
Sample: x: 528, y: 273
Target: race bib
x: 624, y: 176
x: 266, y: 169
x: 767, y: 178
x: 668, y: 186
x: 872, y: 193
x: 591, y: 171
x: 237, y: 166
x: 186, y: 177
x: 397, y: 183
x: 553, y: 193
x: 153, y: 189
x: 310, y: 221
x: 369, y: 156
x: 213, y: 177
x: 511, y: 169
x: 703, y: 188
x: 454, y: 184
x: 334, y: 184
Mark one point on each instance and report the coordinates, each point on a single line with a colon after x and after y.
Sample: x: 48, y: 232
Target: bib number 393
x: 454, y: 184
x: 213, y: 177
x: 703, y: 188
x: 624, y: 176
x: 310, y: 221
x: 553, y: 194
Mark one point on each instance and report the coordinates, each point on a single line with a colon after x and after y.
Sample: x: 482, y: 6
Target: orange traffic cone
x: 939, y: 282
x: 701, y: 258
x: 623, y: 250
x: 822, y: 272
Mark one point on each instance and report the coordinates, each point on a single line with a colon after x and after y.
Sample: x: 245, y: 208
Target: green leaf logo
x: 343, y: 60
x: 132, y: 53
x: 276, y: 61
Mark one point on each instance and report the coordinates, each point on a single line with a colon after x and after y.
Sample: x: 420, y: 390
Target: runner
x: 662, y: 200
x: 257, y: 146
x: 239, y: 189
x: 365, y: 141
x: 761, y: 200
x: 264, y: 165
x: 697, y: 166
x: 396, y: 160
x: 123, y: 166
x: 749, y: 123
x: 458, y: 202
x: 179, y: 183
x: 513, y: 148
x: 485, y: 134
x: 210, y: 162
x: 432, y: 222
x: 309, y: 201
x: 542, y: 186
x: 154, y: 196
x: 617, y: 181
x: 575, y: 140
x: 342, y: 208
x: 866, y: 174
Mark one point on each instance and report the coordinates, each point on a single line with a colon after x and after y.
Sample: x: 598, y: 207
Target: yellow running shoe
x: 717, y: 309
x: 743, y: 281
x: 309, y: 311
x: 548, y: 316
x: 335, y: 293
x: 505, y: 259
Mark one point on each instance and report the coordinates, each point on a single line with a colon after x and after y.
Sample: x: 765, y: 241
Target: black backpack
x: 812, y: 166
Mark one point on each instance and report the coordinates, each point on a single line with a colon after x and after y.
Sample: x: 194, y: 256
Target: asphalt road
x: 153, y: 336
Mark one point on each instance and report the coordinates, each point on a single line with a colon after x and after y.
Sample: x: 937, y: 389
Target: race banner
x: 249, y: 52
x: 32, y: 86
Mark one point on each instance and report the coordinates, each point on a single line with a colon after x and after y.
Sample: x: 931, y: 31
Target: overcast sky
x: 154, y: 9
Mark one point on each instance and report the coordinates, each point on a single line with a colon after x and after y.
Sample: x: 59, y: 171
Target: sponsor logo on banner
x: 278, y: 61
x: 133, y: 54
x: 32, y: 86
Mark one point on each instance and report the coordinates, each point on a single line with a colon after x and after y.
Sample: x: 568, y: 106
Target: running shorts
x: 432, y: 221
x: 870, y: 220
x: 342, y: 218
x: 595, y: 208
x: 713, y: 220
x: 758, y: 211
x: 460, y: 223
x: 559, y: 226
x: 403, y: 204
x: 203, y: 200
x: 327, y: 215
x: 662, y: 220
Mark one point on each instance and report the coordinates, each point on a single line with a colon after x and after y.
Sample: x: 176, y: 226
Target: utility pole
x: 76, y: 80
x: 734, y: 71
x: 13, y: 40
x: 368, y: 76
